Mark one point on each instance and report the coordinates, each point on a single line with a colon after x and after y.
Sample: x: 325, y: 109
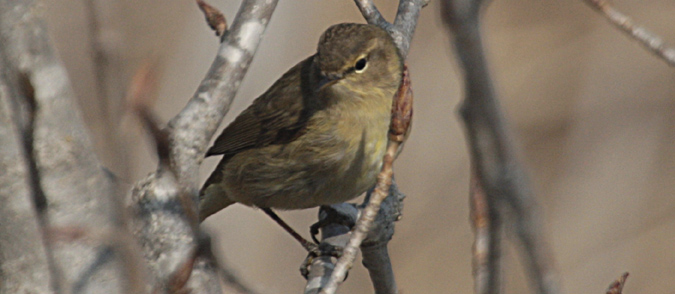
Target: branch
x: 339, y: 219
x: 374, y: 252
x: 75, y: 190
x: 335, y: 233
x: 165, y: 201
x: 372, y: 14
x: 23, y: 256
x: 403, y: 28
x: 493, y: 157
x: 38, y: 196
x: 192, y: 129
x: 646, y: 38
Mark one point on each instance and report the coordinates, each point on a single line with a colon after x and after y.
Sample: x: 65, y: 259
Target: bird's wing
x: 277, y: 116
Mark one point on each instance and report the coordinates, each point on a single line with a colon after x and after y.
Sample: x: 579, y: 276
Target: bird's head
x: 357, y: 56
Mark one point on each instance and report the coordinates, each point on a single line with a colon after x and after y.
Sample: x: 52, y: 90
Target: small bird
x: 318, y: 135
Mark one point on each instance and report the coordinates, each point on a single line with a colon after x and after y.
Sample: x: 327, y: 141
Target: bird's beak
x: 327, y: 79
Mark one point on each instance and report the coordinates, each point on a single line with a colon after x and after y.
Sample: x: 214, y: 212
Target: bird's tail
x: 212, y: 197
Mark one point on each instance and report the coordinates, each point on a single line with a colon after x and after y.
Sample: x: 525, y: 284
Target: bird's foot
x: 316, y: 251
x: 332, y: 217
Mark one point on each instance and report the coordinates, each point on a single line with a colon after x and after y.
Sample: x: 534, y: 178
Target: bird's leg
x: 309, y: 246
x: 314, y: 249
x: 332, y: 216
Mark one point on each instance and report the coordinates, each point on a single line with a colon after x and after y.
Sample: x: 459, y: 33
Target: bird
x: 317, y: 136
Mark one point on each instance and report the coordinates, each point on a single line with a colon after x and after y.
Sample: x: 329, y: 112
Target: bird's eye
x: 360, y: 65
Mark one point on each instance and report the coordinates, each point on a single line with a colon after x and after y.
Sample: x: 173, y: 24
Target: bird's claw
x: 315, y: 251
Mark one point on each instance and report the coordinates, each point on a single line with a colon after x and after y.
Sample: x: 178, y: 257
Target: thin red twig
x: 616, y: 287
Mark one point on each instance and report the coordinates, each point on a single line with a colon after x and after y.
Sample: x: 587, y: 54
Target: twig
x: 487, y: 241
x: 400, y: 123
x: 374, y: 251
x: 497, y: 169
x: 214, y: 18
x: 106, y: 43
x: 645, y: 37
x: 616, y: 287
x: 403, y: 28
x: 371, y: 13
x: 141, y: 97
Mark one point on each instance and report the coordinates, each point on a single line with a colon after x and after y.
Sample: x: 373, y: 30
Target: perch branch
x: 335, y: 233
x: 645, y: 37
x: 501, y: 176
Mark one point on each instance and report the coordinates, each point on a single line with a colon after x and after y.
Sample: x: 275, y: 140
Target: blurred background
x: 593, y: 112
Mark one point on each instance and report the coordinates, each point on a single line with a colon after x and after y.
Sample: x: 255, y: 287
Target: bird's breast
x: 336, y: 159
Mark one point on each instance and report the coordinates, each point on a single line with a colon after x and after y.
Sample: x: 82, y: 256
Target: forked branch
x: 163, y: 202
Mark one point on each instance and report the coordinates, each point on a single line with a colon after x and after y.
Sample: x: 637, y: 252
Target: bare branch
x: 334, y: 233
x: 616, y: 287
x: 192, y: 129
x: 374, y: 252
x: 645, y: 37
x: 38, y: 195
x: 372, y: 14
x: 406, y: 22
x: 403, y: 28
x: 76, y: 190
x: 165, y: 202
x: 497, y: 169
x: 338, y: 220
x: 24, y: 257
